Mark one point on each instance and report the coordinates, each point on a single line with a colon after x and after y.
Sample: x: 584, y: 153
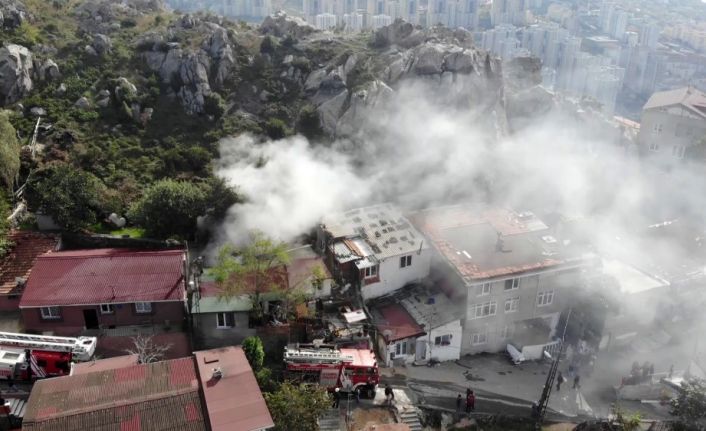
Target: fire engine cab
x: 331, y: 367
x: 27, y: 356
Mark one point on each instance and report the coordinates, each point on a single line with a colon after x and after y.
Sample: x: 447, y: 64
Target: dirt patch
x: 364, y: 418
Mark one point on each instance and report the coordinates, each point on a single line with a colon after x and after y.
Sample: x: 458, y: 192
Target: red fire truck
x: 26, y: 356
x: 331, y: 367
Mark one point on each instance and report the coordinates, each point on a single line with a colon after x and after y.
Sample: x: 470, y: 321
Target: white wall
x: 453, y: 350
x: 392, y: 277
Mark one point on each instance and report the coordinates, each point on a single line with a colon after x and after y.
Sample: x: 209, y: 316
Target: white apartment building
x: 325, y: 21
x: 375, y: 248
x: 515, y: 276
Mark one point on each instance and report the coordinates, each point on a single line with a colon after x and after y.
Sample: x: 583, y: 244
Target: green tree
x: 690, y: 406
x: 251, y: 269
x: 627, y: 422
x: 297, y: 407
x: 221, y: 197
x: 69, y: 195
x: 276, y: 128
x: 9, y: 151
x: 170, y: 208
x: 255, y: 352
x: 309, y: 123
x: 5, y: 209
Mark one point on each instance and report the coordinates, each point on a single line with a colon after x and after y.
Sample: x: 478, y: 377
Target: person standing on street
x: 389, y: 395
x: 559, y: 381
x: 459, y: 400
x: 357, y: 395
x: 577, y: 384
x: 470, y: 401
x: 336, y: 398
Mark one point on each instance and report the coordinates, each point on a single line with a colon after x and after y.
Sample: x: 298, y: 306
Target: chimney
x: 217, y: 373
x: 499, y: 243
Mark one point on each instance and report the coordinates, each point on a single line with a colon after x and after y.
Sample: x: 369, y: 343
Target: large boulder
x: 373, y: 94
x: 460, y: 62
x: 195, y: 86
x: 392, y: 34
x: 430, y: 60
x: 49, y: 71
x: 15, y: 73
x: 280, y: 24
x: 125, y: 90
x: 221, y: 53
x: 102, y: 44
x: 330, y: 111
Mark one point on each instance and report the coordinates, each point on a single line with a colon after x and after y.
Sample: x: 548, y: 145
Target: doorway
x: 91, y: 318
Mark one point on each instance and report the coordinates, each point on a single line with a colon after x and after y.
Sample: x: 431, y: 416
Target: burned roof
x: 379, y: 231
x: 158, y: 396
x: 395, y: 323
x: 430, y: 308
x: 485, y: 244
x: 18, y: 262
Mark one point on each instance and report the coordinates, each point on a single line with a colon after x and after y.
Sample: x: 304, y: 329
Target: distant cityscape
x: 617, y: 53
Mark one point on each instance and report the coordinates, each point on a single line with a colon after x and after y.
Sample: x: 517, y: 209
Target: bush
x: 9, y: 151
x: 276, y: 128
x: 309, y: 123
x: 255, y: 352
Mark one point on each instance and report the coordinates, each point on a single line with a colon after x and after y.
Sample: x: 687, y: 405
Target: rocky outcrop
x: 221, y: 54
x: 12, y: 14
x: 15, y: 73
x: 83, y: 103
x: 373, y: 95
x: 125, y: 90
x: 193, y: 74
x: 282, y: 25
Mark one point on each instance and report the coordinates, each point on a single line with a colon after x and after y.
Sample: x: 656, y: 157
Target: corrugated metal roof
x: 104, y: 364
x: 158, y: 396
x: 105, y: 276
x: 395, y: 323
x: 233, y: 401
x: 19, y: 260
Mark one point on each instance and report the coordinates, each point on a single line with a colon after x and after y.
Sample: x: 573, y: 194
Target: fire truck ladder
x: 82, y: 348
x: 323, y: 355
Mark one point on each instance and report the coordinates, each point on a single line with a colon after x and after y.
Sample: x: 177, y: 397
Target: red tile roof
x: 159, y: 396
x: 234, y: 401
x: 19, y: 260
x: 104, y: 276
x: 396, y: 324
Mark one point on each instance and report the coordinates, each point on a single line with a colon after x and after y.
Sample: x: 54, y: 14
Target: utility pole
x: 541, y: 407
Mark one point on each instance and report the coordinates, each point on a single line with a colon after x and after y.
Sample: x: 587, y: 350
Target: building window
x: 49, y: 313
x: 654, y: 146
x: 444, y: 340
x: 545, y: 298
x: 678, y: 151
x: 405, y: 261
x: 512, y: 284
x: 485, y: 289
x: 401, y: 348
x: 371, y: 271
x: 143, y: 307
x: 479, y: 338
x: 485, y: 309
x: 512, y: 304
x: 507, y: 332
x: 107, y: 309
x: 657, y: 128
x: 225, y: 320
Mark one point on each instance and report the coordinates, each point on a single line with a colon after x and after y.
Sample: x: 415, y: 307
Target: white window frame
x: 545, y: 298
x: 485, y: 289
x: 485, y: 309
x: 143, y: 307
x: 222, y: 320
x: 107, y: 309
x: 479, y: 338
x: 654, y: 147
x: 406, y: 261
x: 512, y: 304
x: 507, y: 332
x: 657, y: 128
x: 50, y: 313
x: 371, y: 271
x: 514, y: 284
x: 678, y: 151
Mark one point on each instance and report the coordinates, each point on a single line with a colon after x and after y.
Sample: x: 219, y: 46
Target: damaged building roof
x: 19, y: 260
x: 394, y: 323
x: 484, y: 244
x: 372, y: 233
x: 430, y: 309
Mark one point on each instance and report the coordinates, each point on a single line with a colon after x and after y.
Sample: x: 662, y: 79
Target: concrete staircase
x: 409, y: 416
x: 330, y: 420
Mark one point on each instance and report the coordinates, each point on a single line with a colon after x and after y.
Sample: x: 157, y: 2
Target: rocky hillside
x: 133, y: 92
